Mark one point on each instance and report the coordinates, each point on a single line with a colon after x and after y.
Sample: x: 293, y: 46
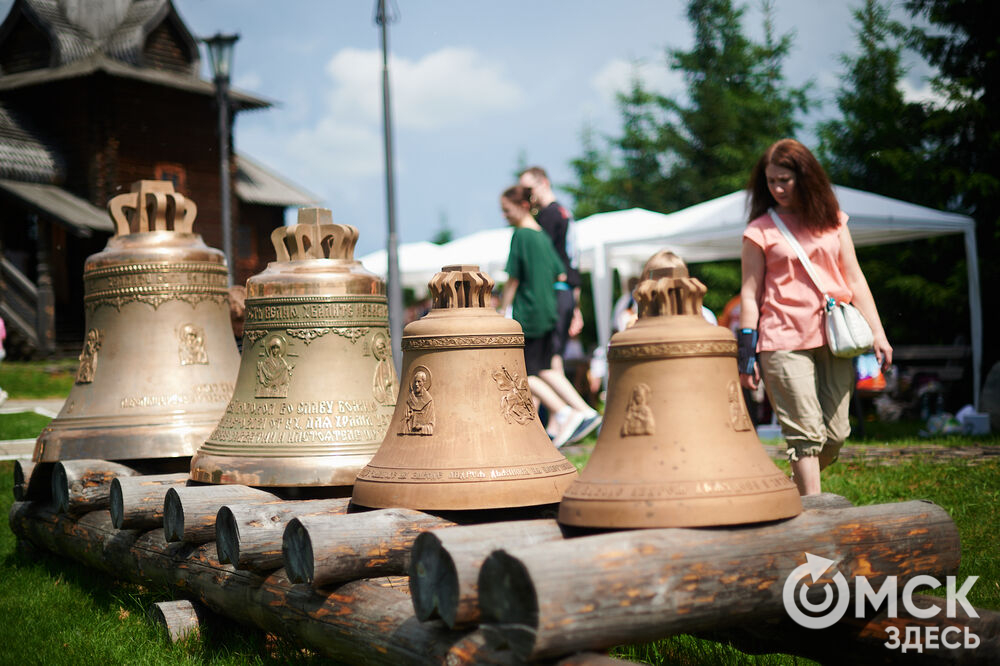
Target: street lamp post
x: 383, y: 17
x: 220, y: 52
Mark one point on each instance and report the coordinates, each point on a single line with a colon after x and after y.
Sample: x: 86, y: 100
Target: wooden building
x: 94, y: 95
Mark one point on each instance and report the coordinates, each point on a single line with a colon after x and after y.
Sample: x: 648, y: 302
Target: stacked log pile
x: 504, y: 591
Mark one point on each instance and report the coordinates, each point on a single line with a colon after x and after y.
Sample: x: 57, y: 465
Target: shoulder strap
x: 798, y: 251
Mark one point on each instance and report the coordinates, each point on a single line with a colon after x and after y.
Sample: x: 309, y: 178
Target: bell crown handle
x: 315, y: 237
x: 461, y: 286
x: 152, y: 205
x: 668, y: 292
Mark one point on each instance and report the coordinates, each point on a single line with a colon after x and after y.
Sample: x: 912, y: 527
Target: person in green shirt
x: 533, y: 268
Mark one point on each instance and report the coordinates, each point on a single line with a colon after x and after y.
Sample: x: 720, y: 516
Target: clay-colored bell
x: 159, y: 359
x: 316, y: 387
x: 465, y: 434
x: 677, y: 447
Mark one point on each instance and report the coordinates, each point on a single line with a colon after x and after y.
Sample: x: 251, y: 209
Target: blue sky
x: 476, y: 87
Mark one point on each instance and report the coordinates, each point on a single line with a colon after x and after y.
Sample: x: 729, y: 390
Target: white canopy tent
x: 418, y: 262
x: 712, y: 231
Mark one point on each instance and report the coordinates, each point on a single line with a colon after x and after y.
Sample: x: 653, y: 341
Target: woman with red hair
x: 782, y: 336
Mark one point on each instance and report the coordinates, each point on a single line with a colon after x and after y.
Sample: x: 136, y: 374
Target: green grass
x: 23, y: 425
x: 55, y: 611
x: 38, y: 379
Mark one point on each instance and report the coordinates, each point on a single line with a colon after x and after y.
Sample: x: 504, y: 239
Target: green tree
x: 962, y: 42
x: 673, y: 154
x: 738, y: 105
x: 877, y: 145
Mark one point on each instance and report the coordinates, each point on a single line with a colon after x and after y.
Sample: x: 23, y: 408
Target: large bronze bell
x: 465, y: 434
x: 677, y: 447
x: 316, y: 386
x: 159, y: 358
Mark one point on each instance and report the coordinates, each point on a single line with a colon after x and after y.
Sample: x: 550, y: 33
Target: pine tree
x: 876, y: 143
x: 671, y: 155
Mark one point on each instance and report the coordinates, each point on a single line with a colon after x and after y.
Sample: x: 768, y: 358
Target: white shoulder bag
x: 848, y: 334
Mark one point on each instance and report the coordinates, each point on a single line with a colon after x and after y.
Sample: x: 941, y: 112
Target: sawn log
x: 321, y: 550
x: 598, y: 591
x: 84, y: 485
x: 249, y: 536
x: 136, y: 502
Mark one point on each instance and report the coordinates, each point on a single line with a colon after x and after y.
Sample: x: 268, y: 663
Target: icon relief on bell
x: 192, y: 345
x: 88, y: 357
x: 384, y: 381
x: 638, y: 415
x: 738, y: 416
x: 516, y: 403
x: 419, y: 416
x: 273, y: 369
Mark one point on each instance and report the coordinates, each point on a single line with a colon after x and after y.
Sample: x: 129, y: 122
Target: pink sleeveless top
x: 791, y: 310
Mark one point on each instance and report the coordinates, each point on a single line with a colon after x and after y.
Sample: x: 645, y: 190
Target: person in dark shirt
x: 556, y: 222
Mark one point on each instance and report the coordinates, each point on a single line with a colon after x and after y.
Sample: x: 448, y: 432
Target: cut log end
x: 22, y: 474
x: 507, y: 600
x: 227, y: 536
x: 297, y: 551
x: 173, y: 516
x: 60, y: 488
x: 116, y: 504
x: 433, y: 580
x: 181, y: 619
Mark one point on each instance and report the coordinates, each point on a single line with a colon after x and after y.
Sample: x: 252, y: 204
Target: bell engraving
x: 384, y: 381
x: 192, y: 345
x: 419, y: 418
x: 638, y: 416
x: 273, y: 369
x: 516, y: 404
x: 88, y: 357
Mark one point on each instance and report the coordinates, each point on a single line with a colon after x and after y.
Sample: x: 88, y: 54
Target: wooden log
x: 249, y: 536
x: 445, y: 563
x: 609, y: 589
x: 825, y: 501
x: 181, y: 619
x: 32, y: 481
x: 136, y: 502
x: 189, y: 511
x: 321, y: 550
x: 864, y: 640
x: 84, y: 485
x: 359, y: 622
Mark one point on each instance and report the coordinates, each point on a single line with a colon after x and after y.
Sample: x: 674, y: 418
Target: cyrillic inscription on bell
x: 677, y: 448
x: 464, y: 434
x: 316, y: 386
x: 159, y: 361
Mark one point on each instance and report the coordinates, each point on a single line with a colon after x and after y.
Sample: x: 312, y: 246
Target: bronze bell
x: 316, y: 387
x: 465, y: 434
x: 677, y: 447
x: 159, y: 358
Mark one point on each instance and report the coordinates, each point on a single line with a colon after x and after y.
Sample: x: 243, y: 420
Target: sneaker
x: 586, y: 427
x: 571, y: 426
x: 3, y: 396
x: 557, y: 420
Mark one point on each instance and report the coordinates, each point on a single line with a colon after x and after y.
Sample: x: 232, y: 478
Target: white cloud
x: 924, y: 94
x: 448, y: 87
x: 248, y: 81
x: 617, y: 76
